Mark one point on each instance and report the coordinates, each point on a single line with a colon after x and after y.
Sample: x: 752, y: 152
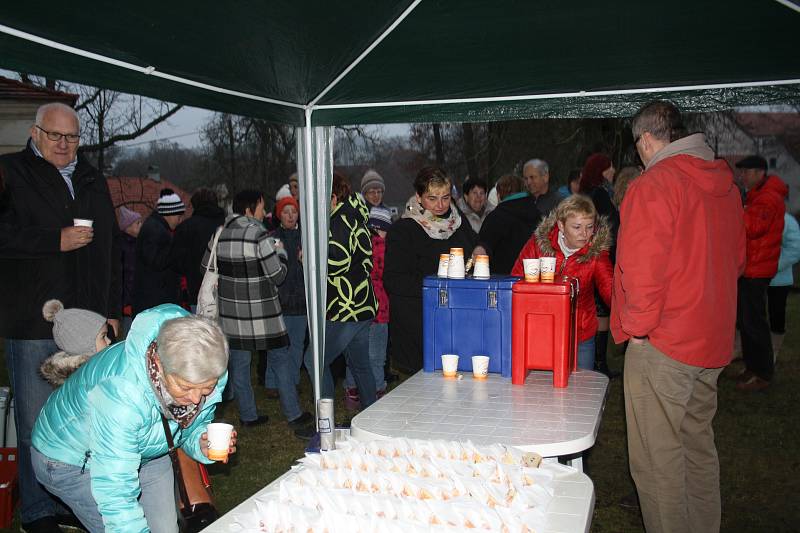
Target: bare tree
x: 110, y: 117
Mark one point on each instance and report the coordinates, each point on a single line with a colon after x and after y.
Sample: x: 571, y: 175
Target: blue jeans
x: 75, y: 489
x: 241, y: 385
x: 23, y: 358
x: 352, y: 338
x: 586, y: 354
x: 285, y: 363
x: 378, y: 339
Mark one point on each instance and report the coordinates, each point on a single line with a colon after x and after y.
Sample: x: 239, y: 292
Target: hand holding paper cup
x: 532, y: 269
x: 83, y: 222
x: 548, y: 269
x: 219, y: 440
x: 480, y: 366
x: 449, y: 365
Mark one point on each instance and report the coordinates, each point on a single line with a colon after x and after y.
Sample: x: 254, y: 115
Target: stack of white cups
x: 444, y: 261
x: 481, y: 267
x: 455, y: 266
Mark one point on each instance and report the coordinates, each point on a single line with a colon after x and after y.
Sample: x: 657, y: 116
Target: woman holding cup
x: 99, y: 443
x: 579, y: 241
x: 429, y: 227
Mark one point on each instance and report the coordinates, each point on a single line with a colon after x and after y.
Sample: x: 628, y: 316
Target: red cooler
x: 544, y: 331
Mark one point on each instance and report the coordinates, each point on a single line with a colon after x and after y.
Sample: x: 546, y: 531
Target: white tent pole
x: 148, y: 71
x: 366, y: 52
x: 313, y: 299
x: 789, y: 4
x: 577, y: 94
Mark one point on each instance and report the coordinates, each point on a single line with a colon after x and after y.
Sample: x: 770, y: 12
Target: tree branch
x: 133, y: 134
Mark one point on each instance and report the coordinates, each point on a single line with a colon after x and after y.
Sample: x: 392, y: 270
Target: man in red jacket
x: 681, y: 248
x: 763, y: 221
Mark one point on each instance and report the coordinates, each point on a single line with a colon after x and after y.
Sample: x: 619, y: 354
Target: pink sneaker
x: 352, y: 402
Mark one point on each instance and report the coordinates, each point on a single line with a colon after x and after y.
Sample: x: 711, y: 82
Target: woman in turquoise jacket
x: 99, y: 443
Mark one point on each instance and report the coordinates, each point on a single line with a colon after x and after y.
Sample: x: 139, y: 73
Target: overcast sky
x: 184, y: 127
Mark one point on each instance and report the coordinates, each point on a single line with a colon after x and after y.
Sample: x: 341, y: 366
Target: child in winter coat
x: 380, y: 219
x: 79, y: 333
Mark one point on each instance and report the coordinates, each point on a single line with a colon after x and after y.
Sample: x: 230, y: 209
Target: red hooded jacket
x: 680, y: 252
x: 591, y: 265
x: 763, y: 221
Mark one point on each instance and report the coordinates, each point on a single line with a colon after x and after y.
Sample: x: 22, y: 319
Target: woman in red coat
x: 580, y: 241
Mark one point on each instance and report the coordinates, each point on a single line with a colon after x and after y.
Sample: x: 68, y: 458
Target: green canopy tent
x: 315, y: 64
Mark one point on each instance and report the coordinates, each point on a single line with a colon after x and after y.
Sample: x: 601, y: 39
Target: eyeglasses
x: 54, y: 136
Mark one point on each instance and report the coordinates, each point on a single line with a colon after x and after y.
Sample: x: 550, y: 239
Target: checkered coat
x: 250, y: 269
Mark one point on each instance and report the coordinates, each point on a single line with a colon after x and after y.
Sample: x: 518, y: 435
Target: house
x: 140, y: 194
x: 773, y: 135
x: 18, y: 104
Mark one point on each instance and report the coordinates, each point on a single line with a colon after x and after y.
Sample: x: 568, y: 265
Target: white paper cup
x: 219, y: 440
x: 444, y: 260
x: 480, y: 366
x: 548, y: 269
x: 455, y: 266
x: 83, y: 222
x: 481, y: 267
x: 449, y: 365
x: 532, y: 269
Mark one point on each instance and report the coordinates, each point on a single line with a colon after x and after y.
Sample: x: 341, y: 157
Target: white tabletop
x: 570, y: 511
x: 533, y: 417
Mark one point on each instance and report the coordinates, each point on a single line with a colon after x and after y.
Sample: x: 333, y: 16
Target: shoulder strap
x: 212, y: 259
x: 176, y: 464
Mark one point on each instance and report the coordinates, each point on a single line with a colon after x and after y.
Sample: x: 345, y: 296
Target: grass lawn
x: 757, y: 438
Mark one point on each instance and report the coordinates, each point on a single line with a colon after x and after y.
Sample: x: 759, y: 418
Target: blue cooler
x: 467, y: 317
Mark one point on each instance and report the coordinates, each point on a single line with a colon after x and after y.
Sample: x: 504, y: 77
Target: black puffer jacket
x: 506, y: 230
x: 156, y: 279
x: 190, y: 243
x: 35, y: 205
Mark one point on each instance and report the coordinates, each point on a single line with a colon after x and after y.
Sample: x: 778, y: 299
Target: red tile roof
x: 16, y: 90
x: 141, y: 194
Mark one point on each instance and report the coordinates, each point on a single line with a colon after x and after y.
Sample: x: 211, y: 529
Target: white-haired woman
x: 99, y: 443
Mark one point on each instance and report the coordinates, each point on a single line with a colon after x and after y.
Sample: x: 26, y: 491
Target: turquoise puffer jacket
x: 107, y: 415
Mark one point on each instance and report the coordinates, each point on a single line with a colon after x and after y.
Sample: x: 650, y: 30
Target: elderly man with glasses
x: 44, y: 254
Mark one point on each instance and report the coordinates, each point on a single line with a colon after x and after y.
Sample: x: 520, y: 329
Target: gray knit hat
x: 170, y: 203
x: 372, y: 180
x: 74, y: 330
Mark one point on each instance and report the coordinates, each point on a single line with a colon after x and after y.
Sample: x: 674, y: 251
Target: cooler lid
x: 557, y: 287
x: 494, y: 281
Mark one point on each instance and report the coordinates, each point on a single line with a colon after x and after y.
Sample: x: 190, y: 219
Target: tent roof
x: 364, y: 61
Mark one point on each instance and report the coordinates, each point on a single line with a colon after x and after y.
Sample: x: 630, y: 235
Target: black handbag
x: 195, y: 498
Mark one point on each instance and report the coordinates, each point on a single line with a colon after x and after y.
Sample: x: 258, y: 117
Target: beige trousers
x: 669, y: 407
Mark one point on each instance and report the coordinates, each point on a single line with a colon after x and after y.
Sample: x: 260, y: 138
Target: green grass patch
x: 757, y: 438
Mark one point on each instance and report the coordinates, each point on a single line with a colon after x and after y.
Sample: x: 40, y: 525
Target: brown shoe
x: 744, y: 376
x: 754, y: 384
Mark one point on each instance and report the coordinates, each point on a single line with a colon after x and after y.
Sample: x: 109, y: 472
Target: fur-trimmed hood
x: 546, y: 236
x: 59, y: 366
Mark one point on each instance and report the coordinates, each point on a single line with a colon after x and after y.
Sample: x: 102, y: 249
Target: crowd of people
x: 671, y: 258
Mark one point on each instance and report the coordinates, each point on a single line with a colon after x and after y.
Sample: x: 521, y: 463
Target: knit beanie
x: 283, y: 192
x: 372, y: 180
x: 283, y: 202
x: 74, y: 330
x: 380, y: 218
x: 592, y: 174
x: 170, y: 203
x: 127, y: 217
